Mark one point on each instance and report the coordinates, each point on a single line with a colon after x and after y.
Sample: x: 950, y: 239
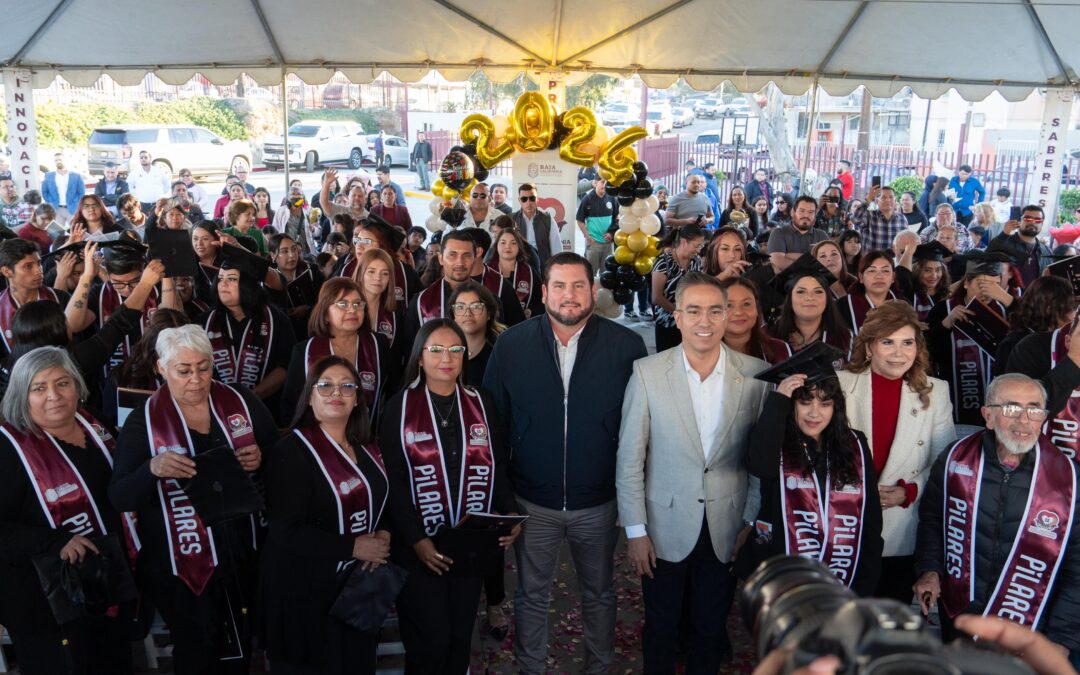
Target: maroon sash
x: 246, y: 366
x: 367, y: 362
x: 191, y: 544
x: 970, y: 377
x: 923, y: 304
x: 858, y: 306
x: 109, y: 302
x: 386, y: 323
x: 491, y: 280
x: 350, y: 487
x: 401, y: 282
x: 432, y: 302
x: 1023, y: 587
x: 65, y: 499
x: 831, y: 530
x: 349, y: 268
x: 9, y: 305
x: 1063, y: 428
x: 427, y: 469
x: 522, y: 281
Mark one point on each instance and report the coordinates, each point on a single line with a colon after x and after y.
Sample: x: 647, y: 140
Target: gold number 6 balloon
x: 617, y: 157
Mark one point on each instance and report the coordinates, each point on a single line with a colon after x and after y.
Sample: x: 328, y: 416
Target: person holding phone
x: 880, y: 225
x: 1021, y: 234
x: 691, y: 206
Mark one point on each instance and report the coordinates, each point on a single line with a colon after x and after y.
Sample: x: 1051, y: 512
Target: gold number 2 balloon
x: 582, y: 125
x: 480, y: 129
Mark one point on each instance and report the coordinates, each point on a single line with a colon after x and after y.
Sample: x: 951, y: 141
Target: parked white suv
x: 172, y: 147
x: 621, y: 113
x: 315, y: 142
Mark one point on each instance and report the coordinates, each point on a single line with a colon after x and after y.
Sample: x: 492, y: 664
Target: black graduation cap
x: 173, y: 248
x: 986, y: 262
x: 67, y: 248
x: 242, y: 260
x: 815, y: 361
x: 393, y: 235
x: 221, y: 489
x: 125, y: 250
x: 806, y: 265
x: 934, y: 251
x: 1011, y: 247
x: 88, y: 588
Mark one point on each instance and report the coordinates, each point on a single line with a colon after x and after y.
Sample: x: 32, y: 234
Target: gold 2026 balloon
x: 617, y: 158
x: 532, y: 124
x: 581, y: 124
x: 490, y: 149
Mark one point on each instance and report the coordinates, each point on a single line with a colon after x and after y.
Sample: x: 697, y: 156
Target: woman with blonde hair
x: 887, y: 382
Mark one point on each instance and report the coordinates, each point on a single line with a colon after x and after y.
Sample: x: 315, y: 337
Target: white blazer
x: 921, y: 435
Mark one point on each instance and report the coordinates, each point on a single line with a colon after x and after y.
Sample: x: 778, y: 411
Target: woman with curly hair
x: 907, y: 418
x: 1047, y: 305
x: 817, y: 480
x: 725, y: 256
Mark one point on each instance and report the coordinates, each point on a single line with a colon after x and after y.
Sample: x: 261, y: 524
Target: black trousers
x: 96, y: 646
x: 495, y: 584
x: 712, y: 590
x: 666, y: 338
x: 347, y: 652
x: 436, y: 615
x: 897, y: 578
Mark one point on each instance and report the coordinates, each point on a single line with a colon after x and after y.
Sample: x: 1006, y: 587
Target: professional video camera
x: 798, y: 600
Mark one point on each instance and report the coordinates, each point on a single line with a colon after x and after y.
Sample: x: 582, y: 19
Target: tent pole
x: 285, y: 125
x: 809, y: 136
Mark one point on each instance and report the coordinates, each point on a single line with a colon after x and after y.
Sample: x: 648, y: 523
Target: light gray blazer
x: 661, y: 474
x: 921, y: 435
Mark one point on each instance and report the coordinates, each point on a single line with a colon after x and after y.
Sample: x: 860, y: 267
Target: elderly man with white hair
x: 996, y: 529
x: 201, y: 577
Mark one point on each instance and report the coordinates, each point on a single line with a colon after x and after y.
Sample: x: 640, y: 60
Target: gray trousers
x: 591, y: 534
x: 595, y: 252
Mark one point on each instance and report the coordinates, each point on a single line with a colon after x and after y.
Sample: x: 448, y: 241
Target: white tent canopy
x: 974, y: 46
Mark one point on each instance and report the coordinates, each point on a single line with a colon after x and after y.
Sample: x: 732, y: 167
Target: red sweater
x: 39, y: 237
x: 885, y: 394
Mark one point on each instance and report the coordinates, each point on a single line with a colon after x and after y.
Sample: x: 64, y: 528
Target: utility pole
x: 866, y: 121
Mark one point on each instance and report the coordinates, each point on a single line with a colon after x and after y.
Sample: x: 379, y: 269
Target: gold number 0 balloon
x: 480, y: 129
x: 617, y: 157
x: 582, y: 125
x: 532, y: 123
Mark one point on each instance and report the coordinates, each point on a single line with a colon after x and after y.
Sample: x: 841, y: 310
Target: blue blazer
x: 75, y: 190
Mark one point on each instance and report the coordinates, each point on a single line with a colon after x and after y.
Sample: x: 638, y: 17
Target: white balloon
x: 435, y: 224
x: 640, y: 208
x: 654, y: 202
x: 606, y: 305
x: 435, y: 206
x: 628, y: 223
x: 650, y: 224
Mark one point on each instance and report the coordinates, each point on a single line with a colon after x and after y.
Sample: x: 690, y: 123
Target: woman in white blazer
x: 907, y: 418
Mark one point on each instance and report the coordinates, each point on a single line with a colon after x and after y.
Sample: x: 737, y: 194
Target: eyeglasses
x: 291, y: 251
x: 694, y: 314
x: 1013, y: 411
x: 124, y: 285
x: 345, y: 305
x: 471, y: 308
x: 455, y: 350
x: 479, y: 195
x: 527, y: 198
x: 363, y: 240
x: 327, y: 389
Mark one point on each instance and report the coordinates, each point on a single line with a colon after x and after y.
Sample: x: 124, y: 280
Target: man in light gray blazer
x: 683, y: 491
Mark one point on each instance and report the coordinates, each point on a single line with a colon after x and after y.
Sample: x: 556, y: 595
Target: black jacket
x: 1031, y: 356
x: 763, y: 461
x: 111, y: 198
x: 568, y: 465
x: 1003, y: 497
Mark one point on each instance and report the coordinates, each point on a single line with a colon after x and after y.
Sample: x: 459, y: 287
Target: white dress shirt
x: 706, y: 396
x: 61, y: 189
x: 568, y: 356
x: 148, y: 186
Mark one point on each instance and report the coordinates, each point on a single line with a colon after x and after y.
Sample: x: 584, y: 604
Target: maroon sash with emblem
x: 8, y: 307
x: 1064, y: 427
x: 401, y: 282
x: 427, y: 468
x: 367, y: 363
x: 858, y: 306
x: 522, y: 281
x: 970, y: 376
x: 827, y: 530
x: 1024, y: 584
x: 65, y: 499
x: 357, y: 512
x: 491, y: 280
x: 432, y: 302
x: 247, y: 365
x: 923, y: 304
x: 191, y: 544
x: 109, y: 302
x: 386, y: 323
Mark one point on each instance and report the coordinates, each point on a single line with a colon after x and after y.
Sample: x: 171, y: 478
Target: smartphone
x: 1014, y: 212
x: 875, y: 181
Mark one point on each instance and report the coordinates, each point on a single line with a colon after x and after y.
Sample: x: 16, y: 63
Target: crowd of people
x: 337, y: 413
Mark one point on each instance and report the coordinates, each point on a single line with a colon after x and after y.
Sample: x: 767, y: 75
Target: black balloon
x: 622, y: 295
x: 608, y: 280
x: 641, y: 169
x: 625, y: 274
x: 625, y: 200
x: 457, y: 170
x: 457, y: 148
x: 627, y: 187
x: 637, y: 283
x: 644, y: 189
x: 610, y: 264
x: 469, y: 149
x: 481, y: 174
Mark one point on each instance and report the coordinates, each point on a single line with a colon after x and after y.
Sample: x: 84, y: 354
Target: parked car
x: 315, y: 142
x: 660, y: 121
x: 395, y: 146
x: 737, y: 107
x: 171, y: 146
x: 682, y: 117
x: 621, y: 113
x: 709, y: 108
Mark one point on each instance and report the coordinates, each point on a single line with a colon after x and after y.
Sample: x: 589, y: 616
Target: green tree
x: 592, y: 92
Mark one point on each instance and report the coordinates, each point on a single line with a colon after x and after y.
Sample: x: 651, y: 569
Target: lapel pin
x: 914, y: 412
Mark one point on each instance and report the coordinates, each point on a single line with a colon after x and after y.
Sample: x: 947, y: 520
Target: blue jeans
x: 644, y: 297
x: 422, y: 174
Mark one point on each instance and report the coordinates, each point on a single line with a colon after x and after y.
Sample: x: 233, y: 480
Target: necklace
x: 445, y: 421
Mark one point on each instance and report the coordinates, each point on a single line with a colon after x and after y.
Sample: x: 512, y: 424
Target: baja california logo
x: 238, y: 425
x: 796, y: 483
x: 62, y: 490
x: 347, y: 486
x: 960, y: 469
x: 1045, y: 524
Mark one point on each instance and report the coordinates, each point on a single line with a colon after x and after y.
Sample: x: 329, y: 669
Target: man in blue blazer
x: 63, y: 189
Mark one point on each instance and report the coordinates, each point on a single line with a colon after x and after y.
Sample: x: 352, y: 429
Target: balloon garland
x: 534, y: 125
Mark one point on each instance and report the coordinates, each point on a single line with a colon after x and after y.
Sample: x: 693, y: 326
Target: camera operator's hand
x: 642, y: 555
x: 1034, y: 649
x: 927, y: 589
x: 774, y: 662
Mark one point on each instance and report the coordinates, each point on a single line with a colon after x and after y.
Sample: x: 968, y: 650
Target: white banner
x: 1049, y: 159
x: 556, y: 188
x: 21, y: 129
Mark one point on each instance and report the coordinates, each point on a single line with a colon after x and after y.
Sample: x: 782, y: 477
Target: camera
x: 796, y: 600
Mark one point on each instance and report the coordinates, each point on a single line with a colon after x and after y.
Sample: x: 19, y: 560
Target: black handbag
x: 89, y: 588
x: 221, y: 490
x: 367, y: 596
